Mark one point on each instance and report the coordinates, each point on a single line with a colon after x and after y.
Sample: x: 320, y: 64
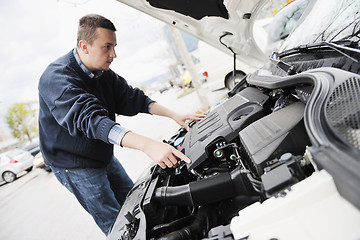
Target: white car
x: 14, y: 162
x: 278, y: 159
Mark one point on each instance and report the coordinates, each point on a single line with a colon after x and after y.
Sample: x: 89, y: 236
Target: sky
x: 35, y: 33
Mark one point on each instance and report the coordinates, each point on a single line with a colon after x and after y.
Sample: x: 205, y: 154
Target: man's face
x: 101, y: 52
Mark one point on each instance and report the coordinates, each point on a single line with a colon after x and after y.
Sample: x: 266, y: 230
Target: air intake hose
x: 191, y: 231
x: 205, y: 191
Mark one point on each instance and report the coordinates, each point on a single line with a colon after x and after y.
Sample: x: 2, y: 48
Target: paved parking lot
x: 37, y: 207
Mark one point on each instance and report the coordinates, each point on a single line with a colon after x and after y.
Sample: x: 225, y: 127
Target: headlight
x: 38, y: 161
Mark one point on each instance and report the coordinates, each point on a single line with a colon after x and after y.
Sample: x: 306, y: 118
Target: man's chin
x: 106, y: 68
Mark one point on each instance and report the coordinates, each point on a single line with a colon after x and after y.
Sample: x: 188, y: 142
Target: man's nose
x: 113, y: 53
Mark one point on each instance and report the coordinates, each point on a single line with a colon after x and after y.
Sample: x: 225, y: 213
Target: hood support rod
x: 234, y: 54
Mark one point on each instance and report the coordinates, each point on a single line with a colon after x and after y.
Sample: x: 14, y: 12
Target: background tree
x: 21, y: 121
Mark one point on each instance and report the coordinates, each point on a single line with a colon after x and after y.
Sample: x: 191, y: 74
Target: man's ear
x: 83, y: 46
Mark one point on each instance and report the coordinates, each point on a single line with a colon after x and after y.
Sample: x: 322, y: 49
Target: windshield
x: 275, y: 21
x: 326, y: 21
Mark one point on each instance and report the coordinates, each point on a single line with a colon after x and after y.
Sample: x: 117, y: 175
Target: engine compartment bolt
x: 218, y: 154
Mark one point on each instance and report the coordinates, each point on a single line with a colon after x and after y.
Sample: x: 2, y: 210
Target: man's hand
x: 164, y: 154
x: 161, y: 153
x: 182, y: 119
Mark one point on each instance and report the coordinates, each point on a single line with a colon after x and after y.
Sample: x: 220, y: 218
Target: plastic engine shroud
x: 225, y: 121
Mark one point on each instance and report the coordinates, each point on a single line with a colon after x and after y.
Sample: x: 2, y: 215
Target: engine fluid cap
x: 286, y: 157
x: 178, y: 141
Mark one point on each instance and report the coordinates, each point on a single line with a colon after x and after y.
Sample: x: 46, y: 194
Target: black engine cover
x: 277, y: 133
x: 224, y: 122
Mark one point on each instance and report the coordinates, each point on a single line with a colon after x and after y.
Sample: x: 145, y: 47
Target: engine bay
x: 252, y: 147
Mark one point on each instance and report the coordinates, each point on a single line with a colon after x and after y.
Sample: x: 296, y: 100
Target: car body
x: 32, y: 148
x: 279, y: 159
x: 14, y: 162
x: 40, y: 163
x: 38, y: 160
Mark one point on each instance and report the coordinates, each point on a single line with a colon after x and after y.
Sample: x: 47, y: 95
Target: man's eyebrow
x: 111, y: 44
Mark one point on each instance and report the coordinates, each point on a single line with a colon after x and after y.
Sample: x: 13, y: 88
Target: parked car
x: 32, y: 148
x: 38, y: 160
x: 279, y: 159
x: 14, y: 162
x: 40, y: 163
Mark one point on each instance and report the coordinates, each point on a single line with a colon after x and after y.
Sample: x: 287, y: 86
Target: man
x: 79, y: 96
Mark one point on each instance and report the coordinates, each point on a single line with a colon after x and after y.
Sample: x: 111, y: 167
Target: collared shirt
x: 96, y: 74
x: 117, y: 132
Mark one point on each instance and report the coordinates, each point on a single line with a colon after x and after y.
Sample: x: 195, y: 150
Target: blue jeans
x: 101, y: 191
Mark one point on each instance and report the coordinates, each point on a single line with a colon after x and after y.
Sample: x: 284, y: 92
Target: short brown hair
x: 88, y: 25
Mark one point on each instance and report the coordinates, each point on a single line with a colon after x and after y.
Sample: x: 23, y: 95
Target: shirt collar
x: 96, y: 74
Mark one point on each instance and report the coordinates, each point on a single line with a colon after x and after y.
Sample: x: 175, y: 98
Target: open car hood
x: 277, y: 159
x: 211, y: 20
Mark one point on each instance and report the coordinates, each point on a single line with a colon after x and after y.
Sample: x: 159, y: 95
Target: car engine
x: 255, y: 145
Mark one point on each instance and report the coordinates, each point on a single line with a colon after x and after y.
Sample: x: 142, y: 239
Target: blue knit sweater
x: 77, y: 113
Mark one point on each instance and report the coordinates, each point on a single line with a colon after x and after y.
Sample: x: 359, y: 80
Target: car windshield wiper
x: 339, y: 47
x: 290, y: 69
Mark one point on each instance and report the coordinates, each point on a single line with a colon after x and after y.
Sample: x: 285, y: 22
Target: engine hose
x: 191, y: 231
x: 205, y: 191
x: 174, y: 224
x: 177, y: 235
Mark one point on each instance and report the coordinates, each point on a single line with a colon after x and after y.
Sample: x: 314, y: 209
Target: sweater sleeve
x: 73, y: 108
x: 116, y: 134
x: 129, y: 100
x: 82, y: 114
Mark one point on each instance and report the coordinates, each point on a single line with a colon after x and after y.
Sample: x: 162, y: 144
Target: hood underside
x: 211, y: 21
x: 194, y: 9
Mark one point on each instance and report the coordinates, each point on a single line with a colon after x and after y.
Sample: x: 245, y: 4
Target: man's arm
x: 161, y: 153
x: 157, y: 109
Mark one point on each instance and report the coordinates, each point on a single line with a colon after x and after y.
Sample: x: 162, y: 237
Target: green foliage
x: 21, y: 121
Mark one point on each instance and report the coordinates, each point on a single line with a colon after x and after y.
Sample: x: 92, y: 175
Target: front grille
x: 343, y: 111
